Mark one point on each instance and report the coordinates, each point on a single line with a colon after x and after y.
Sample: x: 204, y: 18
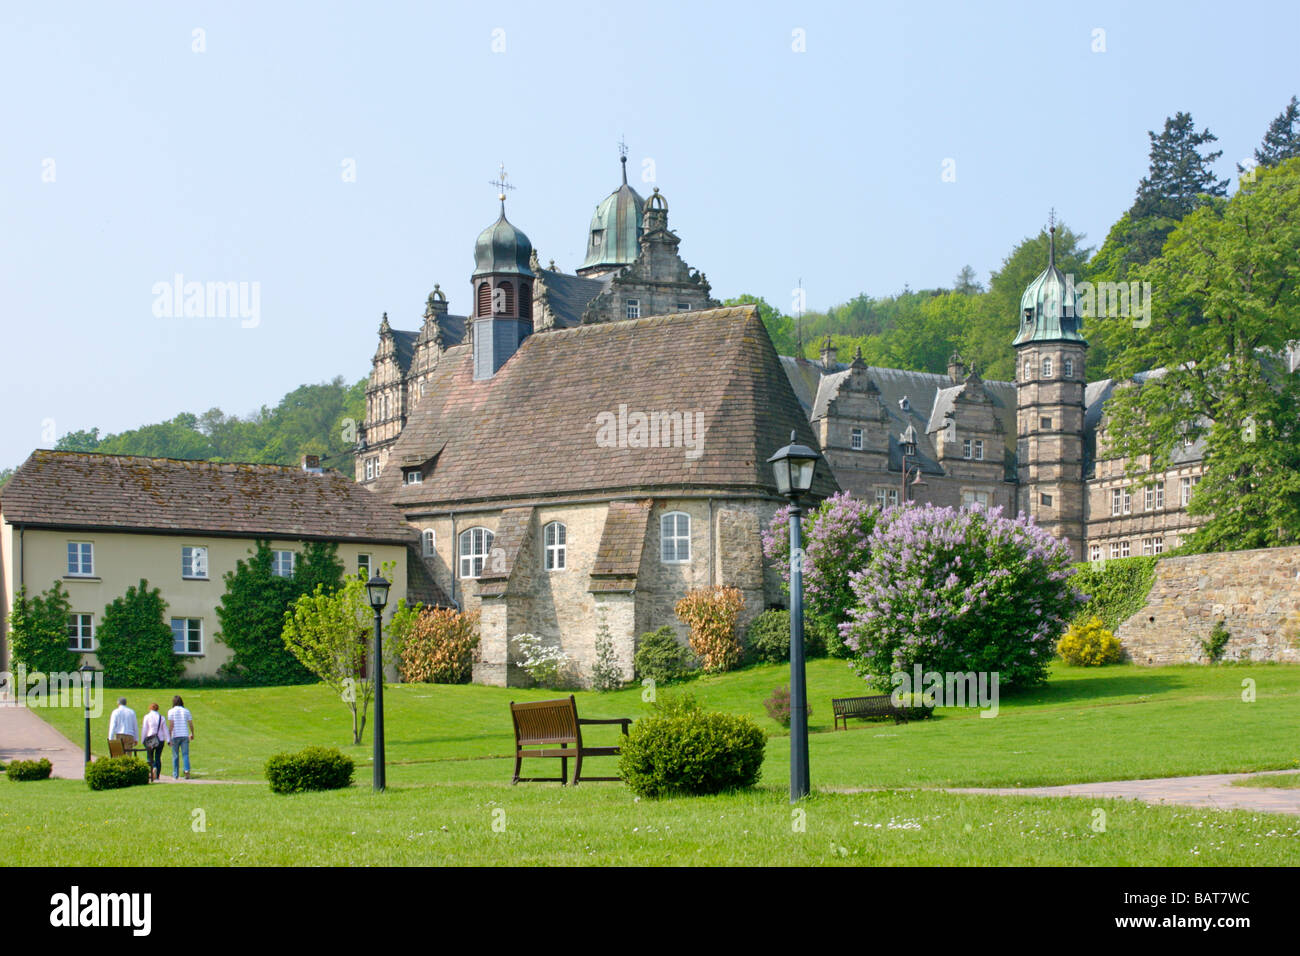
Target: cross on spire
x: 502, y: 185
x: 622, y: 157
x: 1051, y: 236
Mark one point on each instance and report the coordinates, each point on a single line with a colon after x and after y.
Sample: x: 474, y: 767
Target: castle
x: 484, y: 430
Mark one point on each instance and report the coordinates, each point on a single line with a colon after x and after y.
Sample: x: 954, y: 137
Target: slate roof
x: 618, y: 559
x: 511, y: 531
x: 129, y: 493
x: 568, y: 295
x: 404, y: 346
x: 531, y: 430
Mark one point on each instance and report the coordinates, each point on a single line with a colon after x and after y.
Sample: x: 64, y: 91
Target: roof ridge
x: 160, y: 459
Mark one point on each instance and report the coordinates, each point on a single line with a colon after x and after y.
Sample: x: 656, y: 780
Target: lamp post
x: 793, y: 466
x: 87, y: 677
x: 907, y: 445
x: 377, y: 589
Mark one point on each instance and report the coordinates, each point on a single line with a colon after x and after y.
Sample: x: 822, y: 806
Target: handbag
x: 151, y: 742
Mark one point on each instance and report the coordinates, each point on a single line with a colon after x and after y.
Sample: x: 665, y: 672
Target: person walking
x: 155, y: 738
x: 180, y: 726
x: 122, y: 723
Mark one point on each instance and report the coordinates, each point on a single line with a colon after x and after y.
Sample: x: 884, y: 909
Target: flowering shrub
x: 960, y: 590
x: 543, y: 662
x: 778, y: 705
x: 439, y: 646
x: 711, y: 614
x: 1089, y: 644
x: 836, y: 544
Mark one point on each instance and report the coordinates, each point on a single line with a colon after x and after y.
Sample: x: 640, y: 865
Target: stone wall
x: 1255, y: 593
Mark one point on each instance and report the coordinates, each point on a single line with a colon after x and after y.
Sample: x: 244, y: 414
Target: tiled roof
x: 421, y: 585
x: 84, y: 490
x: 532, y: 429
x: 568, y: 295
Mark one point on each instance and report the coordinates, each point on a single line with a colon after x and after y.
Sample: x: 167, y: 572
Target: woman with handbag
x: 155, y: 738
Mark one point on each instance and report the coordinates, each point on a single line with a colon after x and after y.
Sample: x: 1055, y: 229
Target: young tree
x: 38, y: 631
x: 135, y: 641
x: 331, y: 634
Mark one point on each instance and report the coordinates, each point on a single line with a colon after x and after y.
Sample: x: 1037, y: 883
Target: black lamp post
x: 377, y: 589
x: 793, y: 466
x: 907, y: 445
x: 87, y: 679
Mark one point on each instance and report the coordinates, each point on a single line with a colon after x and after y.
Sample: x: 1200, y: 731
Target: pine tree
x: 1180, y: 173
x: 966, y: 283
x: 1282, y: 140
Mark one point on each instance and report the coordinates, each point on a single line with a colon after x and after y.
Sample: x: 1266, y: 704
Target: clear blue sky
x: 825, y: 165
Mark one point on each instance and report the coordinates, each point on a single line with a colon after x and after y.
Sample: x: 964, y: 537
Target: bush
x: 1089, y: 644
x: 439, y: 646
x: 315, y: 768
x: 662, y: 658
x: 768, y: 637
x: 135, y: 641
x: 116, y: 773
x: 912, y: 706
x: 38, y: 632
x: 711, y: 614
x: 1216, y: 643
x: 22, y: 770
x: 960, y: 590
x: 682, y: 750
x: 606, y: 673
x: 778, y: 705
x: 545, y: 663
x: 1115, y: 589
x: 836, y: 543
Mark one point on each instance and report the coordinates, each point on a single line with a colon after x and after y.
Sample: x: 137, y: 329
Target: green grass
x: 448, y: 773
x: 1290, y: 781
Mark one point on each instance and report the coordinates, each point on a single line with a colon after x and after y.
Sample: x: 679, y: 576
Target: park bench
x: 123, y: 745
x: 878, y: 705
x: 552, y: 728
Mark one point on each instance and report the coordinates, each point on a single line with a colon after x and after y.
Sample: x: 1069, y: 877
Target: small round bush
x: 663, y: 658
x: 315, y: 768
x: 1089, y: 644
x: 682, y: 750
x: 116, y: 773
x: 21, y: 770
x: 768, y: 637
x: 778, y: 705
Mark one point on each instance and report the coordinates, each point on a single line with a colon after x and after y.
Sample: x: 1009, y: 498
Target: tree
x: 251, y: 612
x: 38, y: 631
x: 966, y: 283
x: 78, y: 441
x: 780, y: 327
x: 1226, y: 296
x: 330, y: 635
x: 1282, y: 139
x: 135, y: 641
x: 5, y: 475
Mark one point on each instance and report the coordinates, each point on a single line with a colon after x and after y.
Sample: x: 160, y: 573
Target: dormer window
x: 634, y: 308
x: 597, y: 238
x: 412, y: 476
x: 905, y: 404
x: 855, y: 439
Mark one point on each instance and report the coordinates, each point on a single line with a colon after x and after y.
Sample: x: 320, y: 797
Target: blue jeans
x: 180, y: 745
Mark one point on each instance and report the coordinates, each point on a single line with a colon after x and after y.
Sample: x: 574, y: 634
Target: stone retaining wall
x: 1255, y: 593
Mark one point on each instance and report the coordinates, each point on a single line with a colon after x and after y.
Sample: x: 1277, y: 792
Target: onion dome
x: 614, y: 238
x: 1049, y: 308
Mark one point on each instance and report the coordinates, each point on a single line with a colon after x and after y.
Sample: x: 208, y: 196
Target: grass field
x: 448, y: 779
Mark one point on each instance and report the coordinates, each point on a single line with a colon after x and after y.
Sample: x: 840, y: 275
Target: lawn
x: 449, y: 800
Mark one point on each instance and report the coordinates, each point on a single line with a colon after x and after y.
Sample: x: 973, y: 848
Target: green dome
x: 615, y: 235
x: 502, y: 248
x: 1049, y: 308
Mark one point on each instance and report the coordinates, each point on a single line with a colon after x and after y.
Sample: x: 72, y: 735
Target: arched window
x: 427, y: 540
x: 1047, y: 366
x: 475, y: 544
x: 555, y: 542
x: 1067, y: 368
x: 507, y: 298
x: 675, y: 538
x: 484, y: 306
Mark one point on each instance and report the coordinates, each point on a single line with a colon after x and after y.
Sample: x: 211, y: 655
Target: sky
x: 335, y: 161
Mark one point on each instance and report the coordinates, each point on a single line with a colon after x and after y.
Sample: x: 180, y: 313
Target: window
x: 1044, y: 422
x: 1094, y: 552
x: 1067, y: 368
x: 282, y: 564
x: 886, y: 497
x: 1128, y: 502
x: 187, y: 635
x: 1047, y: 367
x: 554, y: 537
x: 1160, y: 496
x: 475, y: 543
x: 965, y: 448
x: 1116, y: 501
x: 979, y: 450
x: 855, y: 439
x: 428, y: 541
x: 1149, y: 499
x: 412, y: 476
x: 1124, y: 550
x: 81, y: 559
x: 1114, y: 549
x: 634, y: 308
x: 975, y: 499
x: 370, y: 469
x: 683, y: 307
x: 1045, y: 500
x: 194, y: 563
x: 675, y: 538
x: 365, y: 565
x: 1186, y: 484
x: 81, y: 632
x: 1157, y: 545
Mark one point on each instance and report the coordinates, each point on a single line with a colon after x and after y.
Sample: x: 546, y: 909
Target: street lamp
x: 793, y: 466
x: 377, y: 590
x: 907, y: 445
x: 87, y: 678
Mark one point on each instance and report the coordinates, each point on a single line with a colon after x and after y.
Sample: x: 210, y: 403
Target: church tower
x: 1050, y: 382
x: 503, y: 293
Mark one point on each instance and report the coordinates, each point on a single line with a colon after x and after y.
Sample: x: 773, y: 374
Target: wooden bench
x: 552, y: 728
x: 878, y: 705
x: 123, y: 745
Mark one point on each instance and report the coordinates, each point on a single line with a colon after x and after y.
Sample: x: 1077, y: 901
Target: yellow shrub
x: 1089, y: 645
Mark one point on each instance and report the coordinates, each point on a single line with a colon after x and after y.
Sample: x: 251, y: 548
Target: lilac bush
x: 959, y: 590
x: 835, y: 543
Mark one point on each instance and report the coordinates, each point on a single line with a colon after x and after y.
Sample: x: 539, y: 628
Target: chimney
x: 829, y: 355
x: 956, y: 368
x: 311, y: 465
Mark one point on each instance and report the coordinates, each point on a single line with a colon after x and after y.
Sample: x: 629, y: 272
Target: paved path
x: 1212, y: 790
x: 24, y: 736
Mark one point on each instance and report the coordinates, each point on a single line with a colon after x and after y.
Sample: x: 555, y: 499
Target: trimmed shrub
x: 606, y: 673
x: 1216, y: 643
x: 1115, y: 589
x: 711, y: 614
x: 116, y: 773
x: 315, y: 768
x: 778, y: 705
x: 768, y: 637
x: 439, y: 646
x: 682, y: 750
x: 662, y: 658
x: 1089, y: 644
x: 135, y: 641
x: 23, y: 770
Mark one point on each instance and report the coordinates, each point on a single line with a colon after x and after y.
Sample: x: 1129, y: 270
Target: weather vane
x: 1051, y: 219
x: 502, y: 186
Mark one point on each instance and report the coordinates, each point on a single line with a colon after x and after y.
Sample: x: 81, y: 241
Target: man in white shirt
x: 122, y: 721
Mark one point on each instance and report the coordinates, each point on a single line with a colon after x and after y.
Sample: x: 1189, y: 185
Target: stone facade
x: 1255, y: 593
